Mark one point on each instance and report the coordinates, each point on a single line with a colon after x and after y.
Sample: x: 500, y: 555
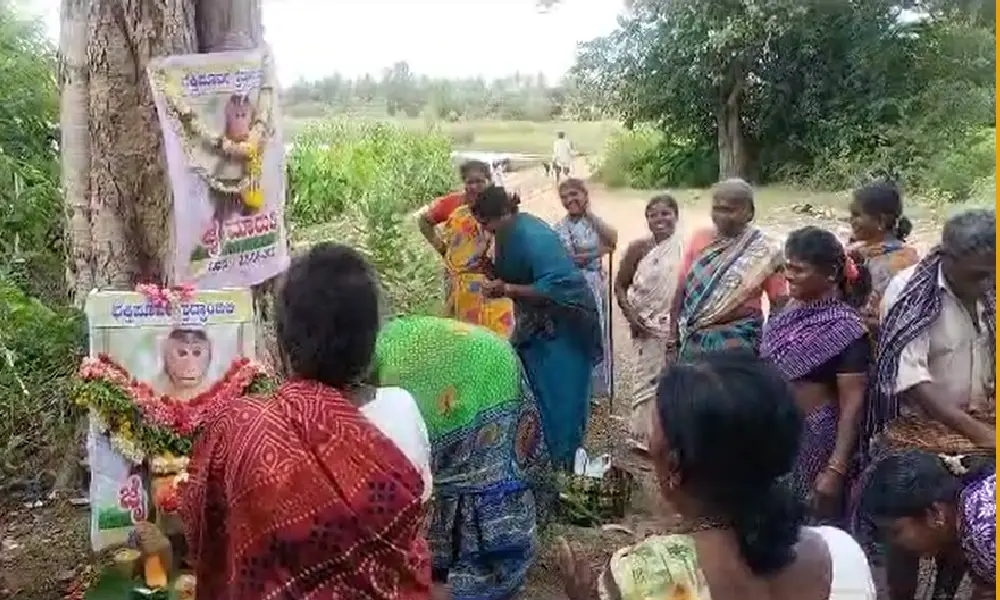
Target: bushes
x: 336, y: 164
x: 953, y: 166
x: 40, y: 349
x: 646, y: 158
x: 959, y: 172
x: 359, y: 184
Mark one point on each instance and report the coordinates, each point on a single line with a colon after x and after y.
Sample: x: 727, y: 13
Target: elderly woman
x: 644, y: 287
x: 878, y: 237
x: 588, y: 239
x: 820, y: 344
x: 934, y: 384
x: 936, y: 507
x: 745, y: 536
x: 466, y: 249
x: 725, y: 273
x: 489, y: 460
x: 558, y: 328
x: 304, y: 494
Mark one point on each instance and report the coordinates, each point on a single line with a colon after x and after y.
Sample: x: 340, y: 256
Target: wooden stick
x: 611, y: 333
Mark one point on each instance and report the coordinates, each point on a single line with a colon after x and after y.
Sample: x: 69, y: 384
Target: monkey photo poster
x: 226, y: 164
x: 179, y: 353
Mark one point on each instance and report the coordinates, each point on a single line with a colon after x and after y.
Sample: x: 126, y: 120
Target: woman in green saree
x: 488, y: 457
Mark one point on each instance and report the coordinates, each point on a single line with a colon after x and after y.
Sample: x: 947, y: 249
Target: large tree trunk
x: 130, y: 197
x: 732, y: 146
x: 117, y: 197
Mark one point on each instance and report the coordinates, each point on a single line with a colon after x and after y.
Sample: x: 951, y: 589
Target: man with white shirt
x: 562, y: 156
x: 938, y: 328
x: 935, y: 376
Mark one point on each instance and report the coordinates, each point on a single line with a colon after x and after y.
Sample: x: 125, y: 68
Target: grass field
x: 525, y: 137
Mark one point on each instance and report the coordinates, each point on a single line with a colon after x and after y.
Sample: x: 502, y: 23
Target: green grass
x: 504, y: 136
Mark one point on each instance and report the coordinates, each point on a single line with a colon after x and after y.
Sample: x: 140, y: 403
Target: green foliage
x: 40, y: 339
x: 826, y: 92
x: 645, y: 158
x: 959, y: 172
x: 40, y: 350
x: 336, y: 164
x: 31, y: 223
x: 360, y: 183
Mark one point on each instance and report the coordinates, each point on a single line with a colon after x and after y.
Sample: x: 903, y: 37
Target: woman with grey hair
x: 725, y: 273
x: 935, y: 378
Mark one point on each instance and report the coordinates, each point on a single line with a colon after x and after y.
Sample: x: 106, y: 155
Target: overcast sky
x: 456, y: 38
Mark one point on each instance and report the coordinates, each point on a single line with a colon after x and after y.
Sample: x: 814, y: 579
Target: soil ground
x: 44, y: 543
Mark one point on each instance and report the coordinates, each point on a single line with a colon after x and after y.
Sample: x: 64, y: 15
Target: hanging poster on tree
x: 160, y: 361
x: 226, y: 164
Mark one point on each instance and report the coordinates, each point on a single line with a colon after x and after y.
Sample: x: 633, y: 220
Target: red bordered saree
x: 300, y: 496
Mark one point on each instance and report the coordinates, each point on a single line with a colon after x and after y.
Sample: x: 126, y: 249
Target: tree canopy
x: 782, y: 86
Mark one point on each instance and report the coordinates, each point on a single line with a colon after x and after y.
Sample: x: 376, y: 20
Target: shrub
x: 360, y: 183
x: 646, y: 158
x: 957, y: 172
x: 40, y: 350
x: 334, y: 164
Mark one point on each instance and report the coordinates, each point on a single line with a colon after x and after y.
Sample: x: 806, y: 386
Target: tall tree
x: 117, y: 196
x: 116, y: 191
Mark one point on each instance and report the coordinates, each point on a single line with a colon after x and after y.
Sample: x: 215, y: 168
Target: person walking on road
x: 562, y: 156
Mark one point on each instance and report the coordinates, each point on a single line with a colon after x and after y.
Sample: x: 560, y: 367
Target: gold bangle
x: 836, y: 467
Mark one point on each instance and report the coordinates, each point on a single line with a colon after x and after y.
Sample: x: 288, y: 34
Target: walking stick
x: 611, y: 333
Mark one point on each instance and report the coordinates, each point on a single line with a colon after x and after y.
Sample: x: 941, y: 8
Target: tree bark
x: 74, y: 145
x: 229, y: 25
x: 732, y: 145
x: 129, y: 194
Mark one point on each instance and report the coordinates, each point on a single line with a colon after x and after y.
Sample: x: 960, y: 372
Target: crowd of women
x: 783, y: 395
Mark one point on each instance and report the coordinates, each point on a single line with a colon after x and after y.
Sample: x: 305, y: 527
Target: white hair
x: 970, y: 233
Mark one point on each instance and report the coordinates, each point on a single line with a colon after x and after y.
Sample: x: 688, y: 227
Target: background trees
x: 791, y: 89
x: 401, y: 93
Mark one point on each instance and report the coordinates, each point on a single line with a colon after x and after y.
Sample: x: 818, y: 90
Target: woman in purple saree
x: 820, y: 344
x: 939, y: 507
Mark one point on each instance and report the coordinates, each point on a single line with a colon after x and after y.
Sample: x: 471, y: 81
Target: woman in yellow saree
x: 467, y: 251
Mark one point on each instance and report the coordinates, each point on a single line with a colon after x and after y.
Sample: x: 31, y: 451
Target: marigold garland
x: 141, y: 423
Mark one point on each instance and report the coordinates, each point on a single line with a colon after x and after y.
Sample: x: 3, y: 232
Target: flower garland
x: 247, y: 151
x: 141, y: 423
x: 168, y: 298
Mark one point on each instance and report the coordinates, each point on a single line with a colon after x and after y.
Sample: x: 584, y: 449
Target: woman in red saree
x: 300, y: 495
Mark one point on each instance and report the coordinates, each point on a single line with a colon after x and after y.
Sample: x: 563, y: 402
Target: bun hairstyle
x: 495, y: 202
x: 732, y: 423
x: 821, y: 249
x: 883, y: 200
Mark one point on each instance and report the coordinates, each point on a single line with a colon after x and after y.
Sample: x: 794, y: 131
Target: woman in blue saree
x: 557, y: 331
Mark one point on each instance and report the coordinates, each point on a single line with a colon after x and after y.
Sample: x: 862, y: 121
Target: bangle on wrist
x: 837, y: 467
